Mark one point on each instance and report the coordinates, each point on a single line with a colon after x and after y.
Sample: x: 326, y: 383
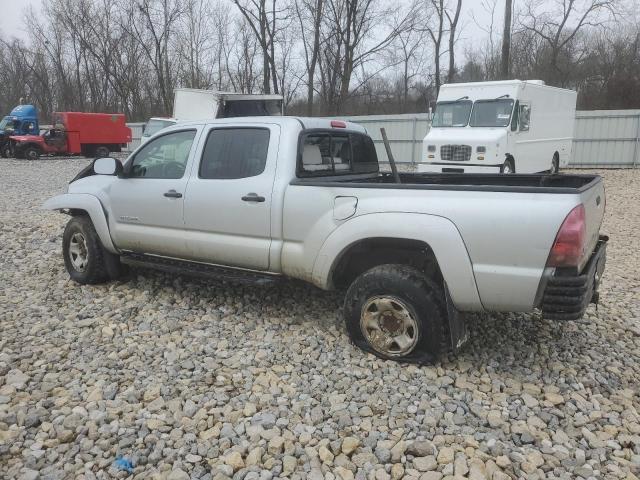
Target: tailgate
x: 593, y: 199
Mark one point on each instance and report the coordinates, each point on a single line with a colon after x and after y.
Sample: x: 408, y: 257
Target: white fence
x: 603, y: 138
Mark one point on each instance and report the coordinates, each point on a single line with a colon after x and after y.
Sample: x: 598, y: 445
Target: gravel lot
x: 193, y: 379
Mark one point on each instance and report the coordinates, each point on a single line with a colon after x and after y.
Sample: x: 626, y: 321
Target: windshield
x: 7, y: 124
x: 491, y: 113
x: 452, y: 114
x: 154, y: 126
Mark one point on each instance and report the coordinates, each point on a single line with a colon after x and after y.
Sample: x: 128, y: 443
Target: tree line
x: 326, y: 57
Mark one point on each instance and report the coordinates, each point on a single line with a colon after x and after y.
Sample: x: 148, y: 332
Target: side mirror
x: 107, y: 166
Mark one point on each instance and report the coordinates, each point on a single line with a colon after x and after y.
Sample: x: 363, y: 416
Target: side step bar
x: 206, y: 270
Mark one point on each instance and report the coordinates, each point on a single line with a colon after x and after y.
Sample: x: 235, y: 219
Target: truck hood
x: 25, y: 138
x: 467, y: 136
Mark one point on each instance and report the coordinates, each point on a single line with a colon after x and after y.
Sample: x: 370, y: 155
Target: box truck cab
x: 191, y: 104
x: 508, y: 126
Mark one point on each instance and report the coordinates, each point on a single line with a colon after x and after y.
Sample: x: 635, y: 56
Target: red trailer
x: 89, y: 134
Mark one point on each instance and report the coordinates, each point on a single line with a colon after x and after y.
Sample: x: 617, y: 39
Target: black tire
x: 555, y: 164
x: 5, y: 151
x: 420, y: 295
x: 508, y: 167
x: 102, y: 151
x: 31, y: 153
x: 101, y: 265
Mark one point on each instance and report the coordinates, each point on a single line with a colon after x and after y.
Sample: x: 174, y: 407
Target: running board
x: 184, y: 267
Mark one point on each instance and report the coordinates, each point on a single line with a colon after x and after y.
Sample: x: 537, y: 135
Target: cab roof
x: 285, y: 121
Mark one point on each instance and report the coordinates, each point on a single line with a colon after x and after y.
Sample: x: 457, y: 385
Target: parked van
x: 510, y: 126
x: 195, y: 104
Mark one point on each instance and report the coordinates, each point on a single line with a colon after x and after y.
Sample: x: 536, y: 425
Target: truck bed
x: 528, y: 183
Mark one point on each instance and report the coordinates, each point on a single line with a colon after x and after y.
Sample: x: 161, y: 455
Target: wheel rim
x: 506, y: 168
x: 102, y: 152
x: 78, y: 252
x: 389, y: 325
x: 32, y: 155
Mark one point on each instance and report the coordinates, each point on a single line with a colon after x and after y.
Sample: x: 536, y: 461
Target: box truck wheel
x: 508, y: 166
x: 555, y: 163
x: 102, y: 151
x: 397, y: 313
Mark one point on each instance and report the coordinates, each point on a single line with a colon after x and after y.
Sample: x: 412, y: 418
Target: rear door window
x: 234, y: 153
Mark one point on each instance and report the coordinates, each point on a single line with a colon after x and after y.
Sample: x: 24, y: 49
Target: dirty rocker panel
x: 567, y: 297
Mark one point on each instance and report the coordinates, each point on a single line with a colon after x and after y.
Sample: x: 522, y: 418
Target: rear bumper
x: 451, y: 167
x: 566, y: 297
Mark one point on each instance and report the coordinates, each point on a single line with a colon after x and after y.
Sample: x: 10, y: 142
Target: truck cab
x: 500, y: 127
x: 23, y: 120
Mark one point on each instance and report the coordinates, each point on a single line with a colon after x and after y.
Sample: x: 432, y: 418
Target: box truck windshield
x: 452, y: 114
x: 491, y: 113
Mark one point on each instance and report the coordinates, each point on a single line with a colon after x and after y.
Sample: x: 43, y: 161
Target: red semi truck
x: 89, y: 134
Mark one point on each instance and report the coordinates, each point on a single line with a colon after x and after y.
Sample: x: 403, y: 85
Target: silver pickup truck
x: 255, y: 199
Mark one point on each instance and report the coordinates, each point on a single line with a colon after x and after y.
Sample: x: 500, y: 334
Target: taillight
x: 568, y: 248
x: 338, y: 124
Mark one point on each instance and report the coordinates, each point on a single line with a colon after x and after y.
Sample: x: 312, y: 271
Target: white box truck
x: 510, y: 126
x: 191, y: 104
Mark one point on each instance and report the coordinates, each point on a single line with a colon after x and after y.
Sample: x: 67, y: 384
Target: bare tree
x: 453, y: 24
x: 559, y: 23
x: 155, y: 30
x: 309, y: 14
x: 506, y: 40
x: 436, y: 32
x: 267, y: 20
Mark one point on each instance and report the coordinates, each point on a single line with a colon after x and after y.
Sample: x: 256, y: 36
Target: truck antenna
x: 392, y: 162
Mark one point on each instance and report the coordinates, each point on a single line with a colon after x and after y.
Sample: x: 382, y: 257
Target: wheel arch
x: 432, y: 241
x: 84, y: 204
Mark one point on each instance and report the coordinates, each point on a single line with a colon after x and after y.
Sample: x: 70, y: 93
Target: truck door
x: 227, y: 208
x: 147, y: 205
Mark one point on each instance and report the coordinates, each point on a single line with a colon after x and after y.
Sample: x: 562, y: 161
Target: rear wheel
x: 508, y: 166
x: 102, y: 151
x: 31, y: 153
x: 5, y: 151
x: 396, y: 313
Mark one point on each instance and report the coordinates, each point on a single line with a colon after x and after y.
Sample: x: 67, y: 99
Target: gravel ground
x: 193, y: 379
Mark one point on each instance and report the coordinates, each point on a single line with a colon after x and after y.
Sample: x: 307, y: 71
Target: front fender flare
x: 439, y: 233
x: 91, y: 205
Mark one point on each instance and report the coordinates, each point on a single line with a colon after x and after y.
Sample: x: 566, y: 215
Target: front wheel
x: 85, y: 258
x: 555, y: 165
x: 508, y: 167
x: 5, y: 151
x: 397, y: 313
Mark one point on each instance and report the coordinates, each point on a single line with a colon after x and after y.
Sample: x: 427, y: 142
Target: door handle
x: 253, y: 197
x: 173, y: 194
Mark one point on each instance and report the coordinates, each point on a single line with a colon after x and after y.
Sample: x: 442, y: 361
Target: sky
x: 12, y: 15
x: 11, y: 18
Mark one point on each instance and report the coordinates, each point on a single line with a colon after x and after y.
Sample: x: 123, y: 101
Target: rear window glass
x: 331, y: 153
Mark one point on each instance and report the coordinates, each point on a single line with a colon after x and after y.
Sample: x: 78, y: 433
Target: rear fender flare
x: 439, y: 233
x: 89, y: 204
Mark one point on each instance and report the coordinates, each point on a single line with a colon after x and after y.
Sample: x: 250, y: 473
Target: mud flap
x: 457, y: 324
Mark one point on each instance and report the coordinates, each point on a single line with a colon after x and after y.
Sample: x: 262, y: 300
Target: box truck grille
x: 455, y: 153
